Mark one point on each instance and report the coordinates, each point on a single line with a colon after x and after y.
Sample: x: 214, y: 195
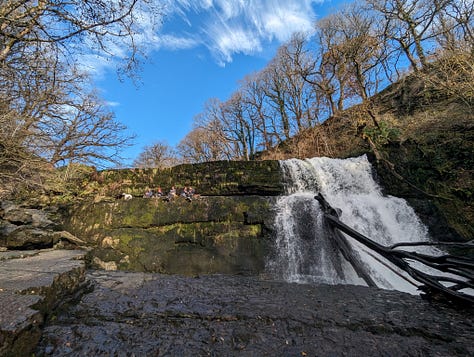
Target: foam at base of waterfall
x: 302, y: 251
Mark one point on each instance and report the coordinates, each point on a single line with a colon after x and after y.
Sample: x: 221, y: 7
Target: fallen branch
x: 345, y: 247
x: 461, y: 269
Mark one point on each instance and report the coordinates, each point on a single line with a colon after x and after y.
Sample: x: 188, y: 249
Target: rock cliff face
x: 218, y: 178
x: 225, y: 228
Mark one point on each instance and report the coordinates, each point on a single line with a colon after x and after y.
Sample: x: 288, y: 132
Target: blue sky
x: 200, y: 51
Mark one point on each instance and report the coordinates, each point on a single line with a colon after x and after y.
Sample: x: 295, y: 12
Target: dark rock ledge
x: 142, y: 314
x: 33, y: 284
x: 26, y: 228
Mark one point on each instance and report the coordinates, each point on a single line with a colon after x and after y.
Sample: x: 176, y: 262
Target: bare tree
x: 201, y: 145
x: 276, y: 99
x: 362, y: 48
x: 48, y: 112
x: 72, y: 27
x: 194, y: 147
x: 410, y: 25
x: 253, y: 96
x: 158, y: 155
x: 239, y: 126
x: 208, y: 140
x: 455, y: 25
x: 327, y: 73
x: 58, y: 119
x: 300, y: 96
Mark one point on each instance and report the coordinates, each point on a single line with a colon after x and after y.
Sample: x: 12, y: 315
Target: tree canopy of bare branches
x: 159, y: 155
x: 71, y: 27
x: 350, y: 56
x: 49, y: 113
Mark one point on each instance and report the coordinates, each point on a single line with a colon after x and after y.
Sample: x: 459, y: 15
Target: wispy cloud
x: 224, y: 27
x: 112, y: 104
x: 229, y: 27
x: 173, y: 42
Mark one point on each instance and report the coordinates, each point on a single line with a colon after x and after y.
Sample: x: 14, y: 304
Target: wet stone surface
x: 32, y: 284
x: 136, y: 314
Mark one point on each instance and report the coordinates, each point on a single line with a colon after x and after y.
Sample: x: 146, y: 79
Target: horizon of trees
x: 349, y: 57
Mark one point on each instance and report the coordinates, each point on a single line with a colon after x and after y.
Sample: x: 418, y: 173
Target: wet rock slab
x: 136, y: 314
x: 32, y: 284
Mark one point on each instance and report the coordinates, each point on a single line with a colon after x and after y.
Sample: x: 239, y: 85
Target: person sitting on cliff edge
x: 159, y: 192
x: 171, y: 194
x: 190, y: 194
x: 185, y: 192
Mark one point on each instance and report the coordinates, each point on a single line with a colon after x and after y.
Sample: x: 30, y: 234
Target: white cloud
x: 283, y: 21
x: 228, y: 27
x: 224, y: 27
x: 229, y: 9
x: 95, y: 65
x: 171, y: 42
x: 206, y: 4
x: 112, y: 104
x: 228, y: 41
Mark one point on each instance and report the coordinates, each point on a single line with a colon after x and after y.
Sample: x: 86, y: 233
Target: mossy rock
x: 218, y: 234
x: 217, y: 178
x: 437, y: 166
x: 86, y: 219
x: 193, y: 248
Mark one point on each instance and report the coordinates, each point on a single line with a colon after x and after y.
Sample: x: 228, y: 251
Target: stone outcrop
x: 33, y: 285
x: 31, y: 228
x: 218, y: 178
x: 25, y: 228
x: 225, y: 228
x: 207, y: 235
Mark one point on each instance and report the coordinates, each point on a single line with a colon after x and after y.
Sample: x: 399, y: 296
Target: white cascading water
x: 304, y: 253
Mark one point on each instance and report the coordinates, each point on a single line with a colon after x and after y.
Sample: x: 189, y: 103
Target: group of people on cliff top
x: 187, y: 192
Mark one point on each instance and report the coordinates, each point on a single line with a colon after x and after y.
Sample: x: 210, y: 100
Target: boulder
x: 31, y: 228
x: 27, y: 237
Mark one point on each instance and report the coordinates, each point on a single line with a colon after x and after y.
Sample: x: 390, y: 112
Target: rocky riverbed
x: 139, y: 314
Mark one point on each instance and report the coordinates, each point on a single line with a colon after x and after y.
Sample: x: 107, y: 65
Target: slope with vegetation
x: 419, y: 134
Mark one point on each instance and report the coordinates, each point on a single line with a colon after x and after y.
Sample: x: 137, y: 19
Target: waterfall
x: 303, y: 250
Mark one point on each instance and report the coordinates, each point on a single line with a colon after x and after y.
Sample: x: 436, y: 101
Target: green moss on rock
x: 218, y: 178
x: 192, y: 248
x: 218, y: 234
